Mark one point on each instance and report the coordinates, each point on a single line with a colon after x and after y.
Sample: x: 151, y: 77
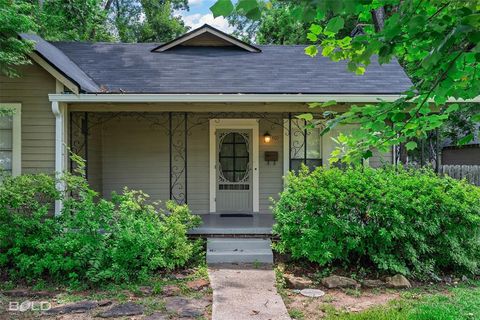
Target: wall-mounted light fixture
x: 267, y: 137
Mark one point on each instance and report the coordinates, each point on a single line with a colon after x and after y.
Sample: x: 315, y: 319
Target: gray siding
x: 135, y: 155
x: 38, y: 121
x: 271, y: 174
x: 131, y: 152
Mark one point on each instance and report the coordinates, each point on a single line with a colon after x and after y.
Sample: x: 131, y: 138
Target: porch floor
x: 218, y: 224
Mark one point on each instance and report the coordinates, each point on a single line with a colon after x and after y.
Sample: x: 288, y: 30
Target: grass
x: 296, y: 314
x: 461, y: 303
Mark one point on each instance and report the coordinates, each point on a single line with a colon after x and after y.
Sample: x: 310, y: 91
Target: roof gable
x: 206, y: 36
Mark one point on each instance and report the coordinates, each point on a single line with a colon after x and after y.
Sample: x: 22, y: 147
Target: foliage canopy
x: 383, y: 220
x: 84, y: 20
x: 94, y: 241
x: 437, y: 41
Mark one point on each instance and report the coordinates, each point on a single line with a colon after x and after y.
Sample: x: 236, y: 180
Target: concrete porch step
x: 236, y: 250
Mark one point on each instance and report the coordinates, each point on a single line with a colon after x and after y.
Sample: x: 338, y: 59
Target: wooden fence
x: 471, y: 173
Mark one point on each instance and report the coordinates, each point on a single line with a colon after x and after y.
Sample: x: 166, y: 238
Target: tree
x: 76, y: 20
x: 53, y: 20
x: 14, y: 18
x: 275, y: 26
x: 162, y: 25
x: 437, y: 41
x: 146, y: 20
x: 84, y: 20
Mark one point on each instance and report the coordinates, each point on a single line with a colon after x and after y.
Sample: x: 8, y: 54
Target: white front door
x: 234, y: 170
x: 234, y: 173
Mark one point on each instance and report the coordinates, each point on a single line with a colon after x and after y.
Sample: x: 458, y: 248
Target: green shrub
x: 93, y: 241
x: 26, y: 222
x: 405, y: 221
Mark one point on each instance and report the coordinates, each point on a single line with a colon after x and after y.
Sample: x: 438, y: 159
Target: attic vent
x: 206, y: 36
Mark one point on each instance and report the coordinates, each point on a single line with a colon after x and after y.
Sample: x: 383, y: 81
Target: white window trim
x: 235, y: 124
x: 16, y: 136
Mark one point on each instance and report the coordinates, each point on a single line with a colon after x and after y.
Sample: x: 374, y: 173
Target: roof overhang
x: 127, y: 98
x: 305, y: 98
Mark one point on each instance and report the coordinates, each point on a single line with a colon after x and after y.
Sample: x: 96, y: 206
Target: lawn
x: 454, y: 304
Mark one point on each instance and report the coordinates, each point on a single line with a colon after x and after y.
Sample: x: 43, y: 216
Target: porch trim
x: 59, y: 110
x: 252, y: 124
x: 230, y: 97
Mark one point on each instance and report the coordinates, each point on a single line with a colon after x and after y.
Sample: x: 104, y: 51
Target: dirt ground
x: 190, y: 295
x: 350, y: 301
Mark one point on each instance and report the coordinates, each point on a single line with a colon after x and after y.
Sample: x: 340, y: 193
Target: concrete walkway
x: 242, y: 292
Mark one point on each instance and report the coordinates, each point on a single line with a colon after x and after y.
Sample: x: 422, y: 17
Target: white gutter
x: 236, y: 97
x: 130, y: 98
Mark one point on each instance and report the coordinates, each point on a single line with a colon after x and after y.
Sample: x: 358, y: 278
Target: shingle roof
x: 134, y: 68
x: 61, y: 62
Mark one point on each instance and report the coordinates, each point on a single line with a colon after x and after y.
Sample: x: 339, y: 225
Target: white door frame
x: 234, y: 124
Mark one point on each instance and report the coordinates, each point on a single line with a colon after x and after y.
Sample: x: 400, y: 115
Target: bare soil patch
x: 356, y: 301
x: 131, y: 302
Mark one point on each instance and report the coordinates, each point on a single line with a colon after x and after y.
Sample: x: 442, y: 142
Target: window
x: 234, y: 157
x: 10, y: 139
x: 305, y: 146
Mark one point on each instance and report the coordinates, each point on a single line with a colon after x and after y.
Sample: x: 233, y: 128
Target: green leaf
x: 327, y: 50
x: 254, y: 14
x: 312, y: 37
x: 453, y: 107
x: 469, y: 137
x: 311, y: 50
x: 247, y: 5
x: 334, y: 25
x: 222, y: 8
x: 472, y: 19
x: 367, y: 154
x: 416, y: 24
x: 400, y: 116
x: 359, y: 70
x: 328, y: 103
x: 320, y: 14
x: 315, y: 29
x: 411, y: 145
x: 476, y: 117
x: 305, y: 116
x: 351, y: 66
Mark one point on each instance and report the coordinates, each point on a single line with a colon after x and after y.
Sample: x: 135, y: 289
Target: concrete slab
x: 258, y: 223
x: 243, y: 292
x: 240, y: 250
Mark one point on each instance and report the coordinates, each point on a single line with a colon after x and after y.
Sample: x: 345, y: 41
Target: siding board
x: 38, y: 121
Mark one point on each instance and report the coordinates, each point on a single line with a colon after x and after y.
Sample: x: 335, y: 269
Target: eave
x: 147, y: 98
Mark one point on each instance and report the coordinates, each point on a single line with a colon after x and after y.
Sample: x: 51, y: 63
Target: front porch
x: 217, y: 225
x: 177, y: 155
x: 181, y: 156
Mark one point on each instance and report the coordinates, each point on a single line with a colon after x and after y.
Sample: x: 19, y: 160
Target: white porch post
x: 58, y: 110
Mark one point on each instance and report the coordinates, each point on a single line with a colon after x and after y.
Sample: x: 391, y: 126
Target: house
x: 205, y: 119
x: 468, y: 154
